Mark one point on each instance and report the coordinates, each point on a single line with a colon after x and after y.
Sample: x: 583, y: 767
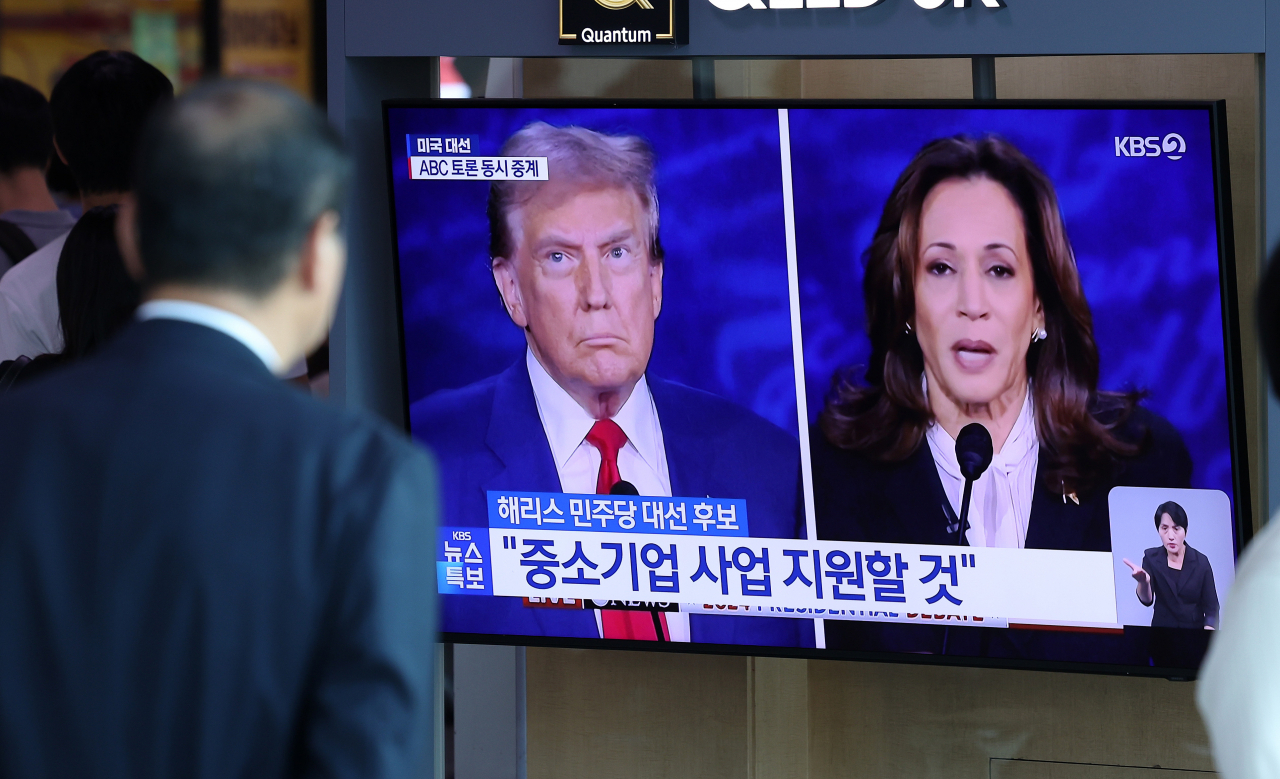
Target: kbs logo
x: 1173, y: 146
x: 462, y: 535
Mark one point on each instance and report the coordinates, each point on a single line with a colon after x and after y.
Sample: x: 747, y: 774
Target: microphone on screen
x: 627, y: 488
x: 973, y: 452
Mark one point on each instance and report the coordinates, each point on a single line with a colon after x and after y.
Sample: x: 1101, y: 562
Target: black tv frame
x: 1242, y: 506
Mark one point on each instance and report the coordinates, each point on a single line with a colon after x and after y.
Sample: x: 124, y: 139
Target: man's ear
x: 317, y: 255
x: 58, y: 152
x: 655, y: 281
x: 127, y: 239
x: 504, y: 276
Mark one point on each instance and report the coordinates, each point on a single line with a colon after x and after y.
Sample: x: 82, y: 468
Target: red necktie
x: 608, y: 438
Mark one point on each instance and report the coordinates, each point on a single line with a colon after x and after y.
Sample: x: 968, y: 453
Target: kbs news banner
x: 698, y: 550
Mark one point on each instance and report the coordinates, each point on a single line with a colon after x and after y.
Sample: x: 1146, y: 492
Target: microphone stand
x: 961, y: 540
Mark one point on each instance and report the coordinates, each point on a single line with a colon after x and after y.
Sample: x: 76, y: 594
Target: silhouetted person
x: 29, y: 217
x: 203, y: 570
x: 99, y: 107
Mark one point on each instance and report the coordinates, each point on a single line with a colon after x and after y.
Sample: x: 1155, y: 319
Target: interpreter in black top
x: 1178, y: 578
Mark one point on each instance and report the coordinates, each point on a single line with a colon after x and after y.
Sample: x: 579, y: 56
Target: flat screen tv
x: 925, y: 382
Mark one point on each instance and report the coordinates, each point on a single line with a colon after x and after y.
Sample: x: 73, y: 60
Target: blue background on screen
x: 725, y: 324
x: 1143, y: 230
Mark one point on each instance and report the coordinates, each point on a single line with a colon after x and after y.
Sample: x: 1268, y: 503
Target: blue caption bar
x: 441, y: 144
x: 618, y: 513
x: 462, y: 561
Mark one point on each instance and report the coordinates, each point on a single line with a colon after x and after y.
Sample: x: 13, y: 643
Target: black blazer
x: 206, y: 573
x: 857, y: 499
x: 1185, y: 600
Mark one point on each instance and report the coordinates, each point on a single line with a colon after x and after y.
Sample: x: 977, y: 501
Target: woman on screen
x: 1178, y: 578
x: 976, y: 314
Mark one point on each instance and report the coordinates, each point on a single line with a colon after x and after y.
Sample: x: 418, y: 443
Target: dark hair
x: 229, y: 181
x: 26, y: 127
x: 96, y: 295
x: 99, y: 107
x: 886, y: 419
x: 576, y: 154
x: 1175, y: 512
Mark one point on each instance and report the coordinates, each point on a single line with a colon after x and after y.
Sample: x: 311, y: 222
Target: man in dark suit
x: 203, y: 571
x: 579, y: 266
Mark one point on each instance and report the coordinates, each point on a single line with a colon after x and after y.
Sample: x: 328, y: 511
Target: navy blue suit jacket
x: 204, y: 572
x: 488, y: 436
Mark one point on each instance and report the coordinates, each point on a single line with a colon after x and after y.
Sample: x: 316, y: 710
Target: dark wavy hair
x: 96, y: 295
x: 885, y: 418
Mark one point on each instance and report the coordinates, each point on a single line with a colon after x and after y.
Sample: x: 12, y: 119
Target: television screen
x: 933, y: 382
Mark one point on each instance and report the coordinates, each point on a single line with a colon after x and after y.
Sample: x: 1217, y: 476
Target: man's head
x: 577, y: 259
x: 99, y: 107
x: 238, y: 190
x: 26, y: 127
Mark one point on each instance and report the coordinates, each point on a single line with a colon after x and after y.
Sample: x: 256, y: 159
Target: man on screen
x: 579, y: 267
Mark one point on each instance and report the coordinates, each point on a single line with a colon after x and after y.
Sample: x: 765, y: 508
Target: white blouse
x: 1000, y: 507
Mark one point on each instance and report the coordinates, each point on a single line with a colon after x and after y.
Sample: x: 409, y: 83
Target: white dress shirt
x: 641, y: 461
x: 29, y: 304
x: 1000, y: 506
x: 1238, y: 691
x: 218, y: 319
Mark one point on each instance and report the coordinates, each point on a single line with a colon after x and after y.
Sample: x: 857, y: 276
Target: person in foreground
x: 976, y: 314
x: 1238, y: 692
x: 579, y: 267
x: 1177, y: 578
x: 203, y: 571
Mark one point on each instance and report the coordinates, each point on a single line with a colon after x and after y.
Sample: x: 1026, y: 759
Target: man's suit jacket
x: 205, y: 572
x: 488, y: 436
x: 1183, y: 600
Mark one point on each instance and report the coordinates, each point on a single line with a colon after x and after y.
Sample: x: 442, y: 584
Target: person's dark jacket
x: 1186, y: 598
x: 205, y: 572
x: 858, y: 499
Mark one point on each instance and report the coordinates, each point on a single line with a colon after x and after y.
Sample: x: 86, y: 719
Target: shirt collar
x: 218, y: 319
x: 567, y: 423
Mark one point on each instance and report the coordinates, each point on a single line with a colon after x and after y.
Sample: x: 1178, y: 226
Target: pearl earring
x: 907, y: 329
x: 1039, y: 335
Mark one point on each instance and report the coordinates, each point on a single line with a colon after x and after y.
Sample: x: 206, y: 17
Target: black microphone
x: 627, y: 488
x: 973, y: 451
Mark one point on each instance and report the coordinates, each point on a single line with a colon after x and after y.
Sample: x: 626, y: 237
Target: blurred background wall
x: 273, y: 40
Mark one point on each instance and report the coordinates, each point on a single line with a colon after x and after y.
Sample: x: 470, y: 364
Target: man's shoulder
x: 41, y: 226
x: 713, y: 416
x: 39, y: 269
x: 452, y: 417
x: 123, y: 385
x: 29, y: 304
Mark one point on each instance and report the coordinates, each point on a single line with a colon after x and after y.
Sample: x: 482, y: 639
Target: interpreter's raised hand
x: 1139, y: 575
